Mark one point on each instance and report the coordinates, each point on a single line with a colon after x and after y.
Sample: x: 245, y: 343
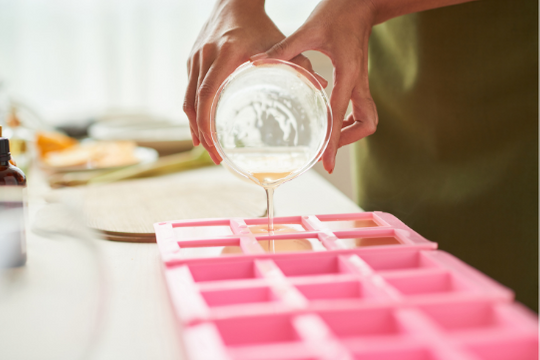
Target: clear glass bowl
x: 271, y: 121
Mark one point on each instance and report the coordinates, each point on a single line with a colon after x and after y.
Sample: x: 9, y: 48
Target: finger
x: 303, y: 61
x: 339, y: 100
x: 364, y: 111
x: 189, y: 100
x: 214, y: 155
x: 221, y: 68
x: 216, y: 158
x: 194, y: 138
x: 322, y: 81
x: 347, y: 122
x: 207, y: 57
x: 365, y: 119
x: 306, y: 64
x: 289, y: 47
x: 208, y: 144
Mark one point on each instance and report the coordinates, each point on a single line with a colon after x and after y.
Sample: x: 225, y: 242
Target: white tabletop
x: 97, y: 299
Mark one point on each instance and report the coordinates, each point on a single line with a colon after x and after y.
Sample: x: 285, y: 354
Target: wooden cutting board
x: 127, y: 210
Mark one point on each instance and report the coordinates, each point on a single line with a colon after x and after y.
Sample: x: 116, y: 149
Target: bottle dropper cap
x: 5, y: 155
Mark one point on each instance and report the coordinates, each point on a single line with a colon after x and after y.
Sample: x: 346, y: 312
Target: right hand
x: 340, y: 29
x: 236, y: 30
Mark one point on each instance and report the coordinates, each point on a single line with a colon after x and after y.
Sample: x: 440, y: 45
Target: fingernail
x: 322, y: 80
x: 195, y: 139
x: 331, y: 166
x: 259, y: 56
x: 214, y: 158
x: 208, y: 139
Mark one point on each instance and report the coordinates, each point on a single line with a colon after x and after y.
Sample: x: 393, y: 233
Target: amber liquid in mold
x: 285, y: 245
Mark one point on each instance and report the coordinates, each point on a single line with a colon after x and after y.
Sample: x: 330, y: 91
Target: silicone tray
x: 362, y: 286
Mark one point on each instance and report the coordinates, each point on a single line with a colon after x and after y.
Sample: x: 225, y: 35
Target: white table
x: 97, y: 299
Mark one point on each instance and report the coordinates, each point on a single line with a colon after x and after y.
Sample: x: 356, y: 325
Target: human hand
x: 340, y: 29
x: 236, y: 30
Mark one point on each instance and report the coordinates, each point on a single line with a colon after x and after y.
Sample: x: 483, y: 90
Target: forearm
x: 228, y: 12
x: 384, y: 10
x: 238, y: 5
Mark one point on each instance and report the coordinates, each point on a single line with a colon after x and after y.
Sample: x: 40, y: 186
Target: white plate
x: 140, y: 128
x: 164, y: 135
x: 143, y: 154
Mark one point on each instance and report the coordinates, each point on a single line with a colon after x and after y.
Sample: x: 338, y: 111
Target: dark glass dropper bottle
x: 9, y: 173
x: 12, y: 234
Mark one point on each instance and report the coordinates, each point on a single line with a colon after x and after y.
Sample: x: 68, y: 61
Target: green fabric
x: 455, y: 155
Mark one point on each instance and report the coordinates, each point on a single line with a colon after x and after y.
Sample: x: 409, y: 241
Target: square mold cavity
x: 401, y: 354
x: 310, y: 265
x: 210, y: 251
x: 201, y: 232
x: 377, y: 241
x: 397, y: 260
x: 507, y: 349
x: 473, y: 315
x: 365, y: 241
x: 293, y: 245
x: 260, y: 294
x: 426, y: 283
x: 275, y: 328
x: 347, y: 222
x: 368, y: 322
x: 219, y: 271
x: 334, y: 290
x: 262, y: 229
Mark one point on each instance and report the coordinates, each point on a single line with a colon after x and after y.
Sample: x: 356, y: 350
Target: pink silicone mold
x: 357, y: 286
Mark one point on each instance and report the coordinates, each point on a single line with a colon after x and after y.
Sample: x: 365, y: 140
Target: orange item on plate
x: 53, y: 141
x: 95, y: 155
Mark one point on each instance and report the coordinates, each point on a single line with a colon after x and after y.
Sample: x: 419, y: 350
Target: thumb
x: 286, y: 49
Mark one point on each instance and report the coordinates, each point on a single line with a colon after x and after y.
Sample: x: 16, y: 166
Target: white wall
x: 69, y: 57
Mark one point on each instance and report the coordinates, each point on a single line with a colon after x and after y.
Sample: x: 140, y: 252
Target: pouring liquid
x: 282, y: 160
x: 270, y: 181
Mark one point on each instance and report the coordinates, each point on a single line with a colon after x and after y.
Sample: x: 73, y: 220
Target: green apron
x: 455, y: 155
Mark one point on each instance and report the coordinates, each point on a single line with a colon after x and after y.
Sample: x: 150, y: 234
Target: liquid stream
x: 284, y: 161
x: 270, y: 181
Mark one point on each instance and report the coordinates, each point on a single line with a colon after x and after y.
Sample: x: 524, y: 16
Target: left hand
x: 236, y: 30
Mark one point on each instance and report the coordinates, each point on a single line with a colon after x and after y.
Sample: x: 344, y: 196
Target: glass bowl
x: 270, y: 121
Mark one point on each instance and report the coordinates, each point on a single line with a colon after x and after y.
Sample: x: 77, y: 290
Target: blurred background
x: 91, y: 92
x: 74, y: 62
